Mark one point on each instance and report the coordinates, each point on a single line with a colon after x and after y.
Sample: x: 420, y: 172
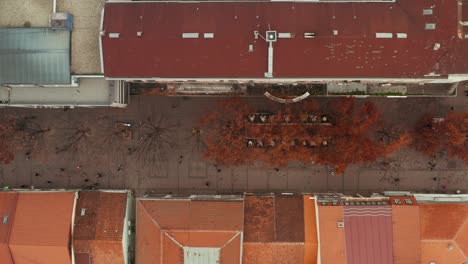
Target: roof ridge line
x: 460, y: 249
x: 277, y: 242
x: 173, y: 239
x: 436, y: 240
x: 152, y: 219
x: 229, y: 241
x: 204, y: 230
x: 460, y: 228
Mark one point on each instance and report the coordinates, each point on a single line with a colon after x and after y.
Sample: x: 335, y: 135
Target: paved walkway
x: 183, y: 170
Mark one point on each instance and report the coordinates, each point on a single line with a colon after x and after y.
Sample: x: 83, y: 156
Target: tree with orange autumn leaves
x: 432, y: 135
x: 348, y: 136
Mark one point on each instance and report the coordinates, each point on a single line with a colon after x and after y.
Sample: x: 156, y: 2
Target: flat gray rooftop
x: 34, y: 56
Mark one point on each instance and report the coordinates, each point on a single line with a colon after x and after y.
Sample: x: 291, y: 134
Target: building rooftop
x: 406, y: 234
x: 274, y: 229
x: 34, y: 56
x: 184, y: 230
x: 99, y: 223
x: 226, y: 40
x: 41, y: 229
x: 444, y: 232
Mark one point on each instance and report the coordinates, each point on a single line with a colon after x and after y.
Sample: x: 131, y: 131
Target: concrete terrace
x: 85, y: 57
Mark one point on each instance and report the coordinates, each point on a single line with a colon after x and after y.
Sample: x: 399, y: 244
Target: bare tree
x: 76, y: 139
x: 156, y: 138
x: 114, y: 139
x: 32, y: 135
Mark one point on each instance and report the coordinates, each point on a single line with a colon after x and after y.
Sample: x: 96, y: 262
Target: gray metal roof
x: 34, y: 56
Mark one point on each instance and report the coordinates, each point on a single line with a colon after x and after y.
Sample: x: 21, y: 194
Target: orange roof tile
x: 442, y: 220
x: 461, y: 238
x: 216, y: 215
x: 7, y: 211
x: 259, y: 225
x: 170, y: 214
x: 103, y: 220
x: 105, y: 252
x: 41, y: 227
x: 444, y: 236
x: 231, y: 251
x: 406, y: 234
x: 274, y: 218
x: 148, y: 236
x: 172, y: 252
x: 332, y: 241
x: 5, y: 255
x: 201, y: 238
x: 273, y: 253
x: 438, y: 251
x: 27, y: 254
x: 274, y: 229
x: 310, y: 230
x: 289, y: 218
x: 82, y: 258
x: 214, y: 224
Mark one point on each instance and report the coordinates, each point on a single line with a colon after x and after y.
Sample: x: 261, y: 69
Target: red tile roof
x: 41, y: 229
x: 99, y: 232
x: 7, y: 211
x: 274, y: 218
x: 368, y: 234
x: 268, y: 253
x: 165, y: 226
x: 332, y: 238
x: 310, y: 230
x: 274, y: 229
x: 406, y: 234
x: 148, y: 246
x: 444, y: 232
x: 354, y: 52
x: 259, y: 223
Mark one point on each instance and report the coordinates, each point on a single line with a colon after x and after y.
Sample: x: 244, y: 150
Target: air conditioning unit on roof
x: 61, y: 21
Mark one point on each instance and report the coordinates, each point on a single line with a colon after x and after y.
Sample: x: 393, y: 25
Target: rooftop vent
x: 340, y: 224
x: 309, y: 35
x: 271, y: 36
x: 5, y: 219
x: 83, y: 211
x: 208, y: 35
x: 114, y: 35
x: 427, y: 12
x: 190, y: 35
x: 450, y: 247
x: 430, y: 26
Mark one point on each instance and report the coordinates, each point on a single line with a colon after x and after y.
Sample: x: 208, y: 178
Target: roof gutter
x: 101, y: 34
x: 72, y: 227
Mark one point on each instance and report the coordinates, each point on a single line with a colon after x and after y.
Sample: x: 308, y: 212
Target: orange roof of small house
x: 41, y: 228
x: 406, y: 234
x: 7, y: 211
x: 168, y: 227
x: 332, y: 238
x: 444, y: 233
x: 274, y: 229
x: 98, y: 226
